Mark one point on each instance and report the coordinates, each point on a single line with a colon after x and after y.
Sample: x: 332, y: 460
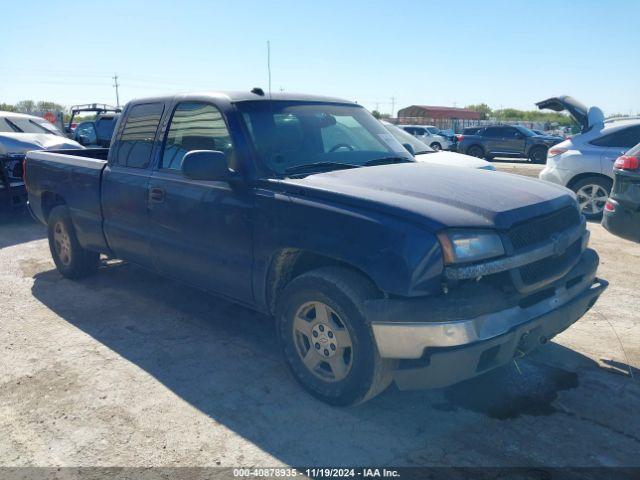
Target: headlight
x: 462, y: 246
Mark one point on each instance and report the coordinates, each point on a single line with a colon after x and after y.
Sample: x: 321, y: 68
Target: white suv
x: 430, y: 135
x: 584, y: 163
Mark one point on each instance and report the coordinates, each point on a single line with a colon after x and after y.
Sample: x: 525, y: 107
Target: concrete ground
x: 129, y: 369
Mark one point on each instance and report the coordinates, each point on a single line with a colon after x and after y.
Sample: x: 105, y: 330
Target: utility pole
x: 377, y: 106
x: 116, y: 85
x: 393, y: 105
x: 269, y: 65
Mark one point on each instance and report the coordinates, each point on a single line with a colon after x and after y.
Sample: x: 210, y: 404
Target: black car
x: 622, y: 211
x: 506, y: 141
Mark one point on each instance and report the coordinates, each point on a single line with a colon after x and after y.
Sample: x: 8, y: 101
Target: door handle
x: 156, y: 195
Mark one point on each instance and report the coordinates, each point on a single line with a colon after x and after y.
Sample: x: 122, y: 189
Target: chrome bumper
x: 400, y: 339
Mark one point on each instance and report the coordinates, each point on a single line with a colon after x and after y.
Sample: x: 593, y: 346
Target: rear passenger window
x: 138, y: 134
x: 195, y: 126
x: 626, y: 138
x: 492, y: 132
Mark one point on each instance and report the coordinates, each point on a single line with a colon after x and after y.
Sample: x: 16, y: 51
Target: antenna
x: 269, y: 65
x: 116, y: 85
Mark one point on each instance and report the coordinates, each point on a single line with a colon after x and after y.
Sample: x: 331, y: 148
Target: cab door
x: 201, y: 231
x: 126, y: 221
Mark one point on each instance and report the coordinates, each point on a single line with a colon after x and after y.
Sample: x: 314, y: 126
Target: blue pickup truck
x: 376, y: 268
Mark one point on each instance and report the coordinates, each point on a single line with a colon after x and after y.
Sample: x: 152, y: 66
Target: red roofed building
x: 442, y: 117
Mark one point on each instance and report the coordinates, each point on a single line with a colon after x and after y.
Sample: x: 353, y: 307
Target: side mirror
x: 84, y: 140
x: 410, y: 148
x: 206, y: 165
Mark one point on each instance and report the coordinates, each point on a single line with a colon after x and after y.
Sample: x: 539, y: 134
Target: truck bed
x: 59, y: 177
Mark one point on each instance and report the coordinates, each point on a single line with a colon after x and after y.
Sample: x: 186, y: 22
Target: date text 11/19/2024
x: 317, y: 472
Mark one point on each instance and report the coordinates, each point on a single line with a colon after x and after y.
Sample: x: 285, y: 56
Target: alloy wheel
x: 322, y: 341
x: 62, y: 242
x: 592, y: 198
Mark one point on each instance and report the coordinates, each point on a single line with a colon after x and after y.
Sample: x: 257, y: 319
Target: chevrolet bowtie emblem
x: 560, y: 243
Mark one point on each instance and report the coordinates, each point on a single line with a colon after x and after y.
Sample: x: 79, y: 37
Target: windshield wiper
x: 386, y: 160
x: 311, y: 167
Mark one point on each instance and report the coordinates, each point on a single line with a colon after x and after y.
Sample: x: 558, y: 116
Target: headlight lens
x: 462, y: 246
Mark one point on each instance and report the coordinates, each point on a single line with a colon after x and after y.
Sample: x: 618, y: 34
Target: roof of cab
x: 247, y: 96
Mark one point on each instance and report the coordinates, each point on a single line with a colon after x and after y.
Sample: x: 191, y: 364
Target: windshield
x: 28, y: 125
x: 406, y: 138
x: 526, y: 131
x: 433, y: 130
x: 290, y: 135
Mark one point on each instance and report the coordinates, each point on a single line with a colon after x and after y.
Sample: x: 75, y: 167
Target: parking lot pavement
x: 127, y: 368
x: 523, y: 167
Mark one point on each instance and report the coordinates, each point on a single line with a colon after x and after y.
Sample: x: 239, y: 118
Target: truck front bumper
x: 456, y: 336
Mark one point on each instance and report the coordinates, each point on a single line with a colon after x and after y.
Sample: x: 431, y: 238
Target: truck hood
x: 587, y: 118
x: 453, y: 159
x: 23, y: 142
x: 437, y: 196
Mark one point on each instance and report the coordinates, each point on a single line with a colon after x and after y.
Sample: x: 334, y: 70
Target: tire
x: 592, y: 188
x: 538, y: 155
x: 347, y: 338
x: 436, y: 146
x: 475, y: 151
x: 71, y: 260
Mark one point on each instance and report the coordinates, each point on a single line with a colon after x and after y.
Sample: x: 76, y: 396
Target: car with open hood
x: 584, y: 162
x: 20, y: 133
x: 377, y: 268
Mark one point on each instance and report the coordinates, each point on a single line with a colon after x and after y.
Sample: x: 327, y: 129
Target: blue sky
x: 503, y: 53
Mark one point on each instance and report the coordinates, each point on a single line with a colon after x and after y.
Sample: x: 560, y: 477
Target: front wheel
x: 436, y: 146
x: 328, y: 344
x: 476, y: 151
x: 71, y: 260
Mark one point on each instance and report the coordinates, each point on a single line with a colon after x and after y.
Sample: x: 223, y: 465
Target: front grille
x: 539, y: 229
x: 550, y: 266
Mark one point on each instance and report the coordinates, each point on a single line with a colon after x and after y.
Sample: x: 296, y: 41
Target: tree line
x: 512, y: 114
x: 31, y: 107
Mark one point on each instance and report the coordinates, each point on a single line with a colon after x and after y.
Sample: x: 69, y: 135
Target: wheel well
x: 475, y: 145
x: 49, y: 200
x: 290, y: 263
x: 582, y: 176
x: 538, y: 147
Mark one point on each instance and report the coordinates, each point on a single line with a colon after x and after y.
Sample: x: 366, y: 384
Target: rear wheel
x: 327, y: 342
x: 592, y: 193
x: 71, y: 260
x: 538, y: 155
x: 475, y: 151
